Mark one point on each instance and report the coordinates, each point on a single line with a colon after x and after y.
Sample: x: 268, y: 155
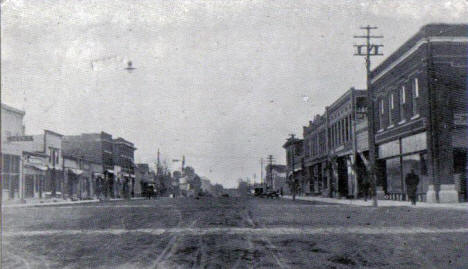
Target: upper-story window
x: 381, y: 114
x: 54, y: 156
x: 402, y: 103
x: 390, y: 109
x: 415, y: 97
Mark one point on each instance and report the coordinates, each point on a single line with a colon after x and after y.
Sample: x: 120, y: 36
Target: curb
x: 68, y: 203
x: 382, y: 203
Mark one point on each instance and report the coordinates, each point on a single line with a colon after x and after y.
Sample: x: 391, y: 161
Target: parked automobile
x: 259, y: 192
x: 272, y: 194
x: 149, y: 190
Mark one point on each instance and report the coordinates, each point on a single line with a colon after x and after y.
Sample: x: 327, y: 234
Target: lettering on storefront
x: 20, y: 138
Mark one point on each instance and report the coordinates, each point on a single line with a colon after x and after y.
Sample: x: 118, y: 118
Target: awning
x: 110, y: 171
x: 132, y: 176
x: 98, y: 175
x: 38, y: 166
x: 125, y: 175
x: 75, y: 171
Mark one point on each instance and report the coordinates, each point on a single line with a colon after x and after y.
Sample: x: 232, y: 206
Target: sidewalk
x: 381, y: 203
x: 53, y: 202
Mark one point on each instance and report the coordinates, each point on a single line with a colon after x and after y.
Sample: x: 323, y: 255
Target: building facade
x: 97, y: 149
x: 42, y: 173
x: 334, y: 146
x: 316, y: 154
x: 295, y: 165
x: 420, y: 114
x: 123, y: 154
x: 12, y: 161
x: 341, y: 124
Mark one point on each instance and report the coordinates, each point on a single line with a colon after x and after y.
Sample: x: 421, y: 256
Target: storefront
x: 398, y: 158
x: 35, y: 173
x: 11, y: 165
x: 35, y: 178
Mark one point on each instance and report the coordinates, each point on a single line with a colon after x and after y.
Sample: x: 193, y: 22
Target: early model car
x: 272, y: 194
x: 149, y: 190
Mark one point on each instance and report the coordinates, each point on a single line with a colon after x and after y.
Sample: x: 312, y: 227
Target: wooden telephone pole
x: 270, y: 168
x: 293, y: 178
x: 368, y: 50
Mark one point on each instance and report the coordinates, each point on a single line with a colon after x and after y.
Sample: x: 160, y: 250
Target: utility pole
x: 270, y: 176
x: 183, y: 163
x: 158, y: 165
x: 293, y: 178
x: 261, y: 171
x: 369, y: 51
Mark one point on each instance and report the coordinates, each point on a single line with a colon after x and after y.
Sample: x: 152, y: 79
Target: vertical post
x: 261, y: 170
x: 293, y: 178
x: 370, y: 117
x: 370, y: 50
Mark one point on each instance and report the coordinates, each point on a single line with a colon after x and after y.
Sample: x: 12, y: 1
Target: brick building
x: 331, y: 149
x: 420, y: 114
x: 295, y: 163
x: 316, y: 154
x: 96, y: 148
x: 123, y: 155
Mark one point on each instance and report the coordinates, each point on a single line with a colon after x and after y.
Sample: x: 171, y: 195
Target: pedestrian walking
x: 412, y: 181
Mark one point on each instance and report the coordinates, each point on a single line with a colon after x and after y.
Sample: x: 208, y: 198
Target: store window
x: 10, y: 173
x: 417, y: 163
x: 402, y: 103
x: 381, y: 114
x: 414, y: 143
x: 393, y: 175
x: 390, y: 109
x: 389, y: 149
x: 415, y: 96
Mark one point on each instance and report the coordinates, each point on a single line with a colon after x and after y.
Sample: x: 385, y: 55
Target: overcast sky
x: 223, y: 82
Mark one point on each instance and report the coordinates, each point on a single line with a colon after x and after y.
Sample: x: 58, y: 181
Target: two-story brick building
x: 316, y: 154
x: 341, y: 120
x: 96, y: 148
x: 332, y: 146
x: 294, y: 165
x: 123, y: 154
x: 420, y: 114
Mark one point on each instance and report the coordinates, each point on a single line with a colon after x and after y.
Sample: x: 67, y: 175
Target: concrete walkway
x: 50, y: 202
x: 381, y: 203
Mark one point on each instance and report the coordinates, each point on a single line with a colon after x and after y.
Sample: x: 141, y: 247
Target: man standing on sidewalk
x: 412, y: 181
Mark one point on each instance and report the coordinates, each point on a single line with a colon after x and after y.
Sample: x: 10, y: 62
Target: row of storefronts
x: 420, y: 118
x: 51, y: 165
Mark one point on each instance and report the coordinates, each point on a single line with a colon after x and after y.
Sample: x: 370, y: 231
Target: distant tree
x: 218, y: 189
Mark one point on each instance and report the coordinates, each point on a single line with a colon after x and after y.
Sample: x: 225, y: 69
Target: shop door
x: 342, y: 177
x: 29, y: 186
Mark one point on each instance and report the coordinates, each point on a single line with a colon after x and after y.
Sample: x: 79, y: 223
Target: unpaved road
x: 232, y: 233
